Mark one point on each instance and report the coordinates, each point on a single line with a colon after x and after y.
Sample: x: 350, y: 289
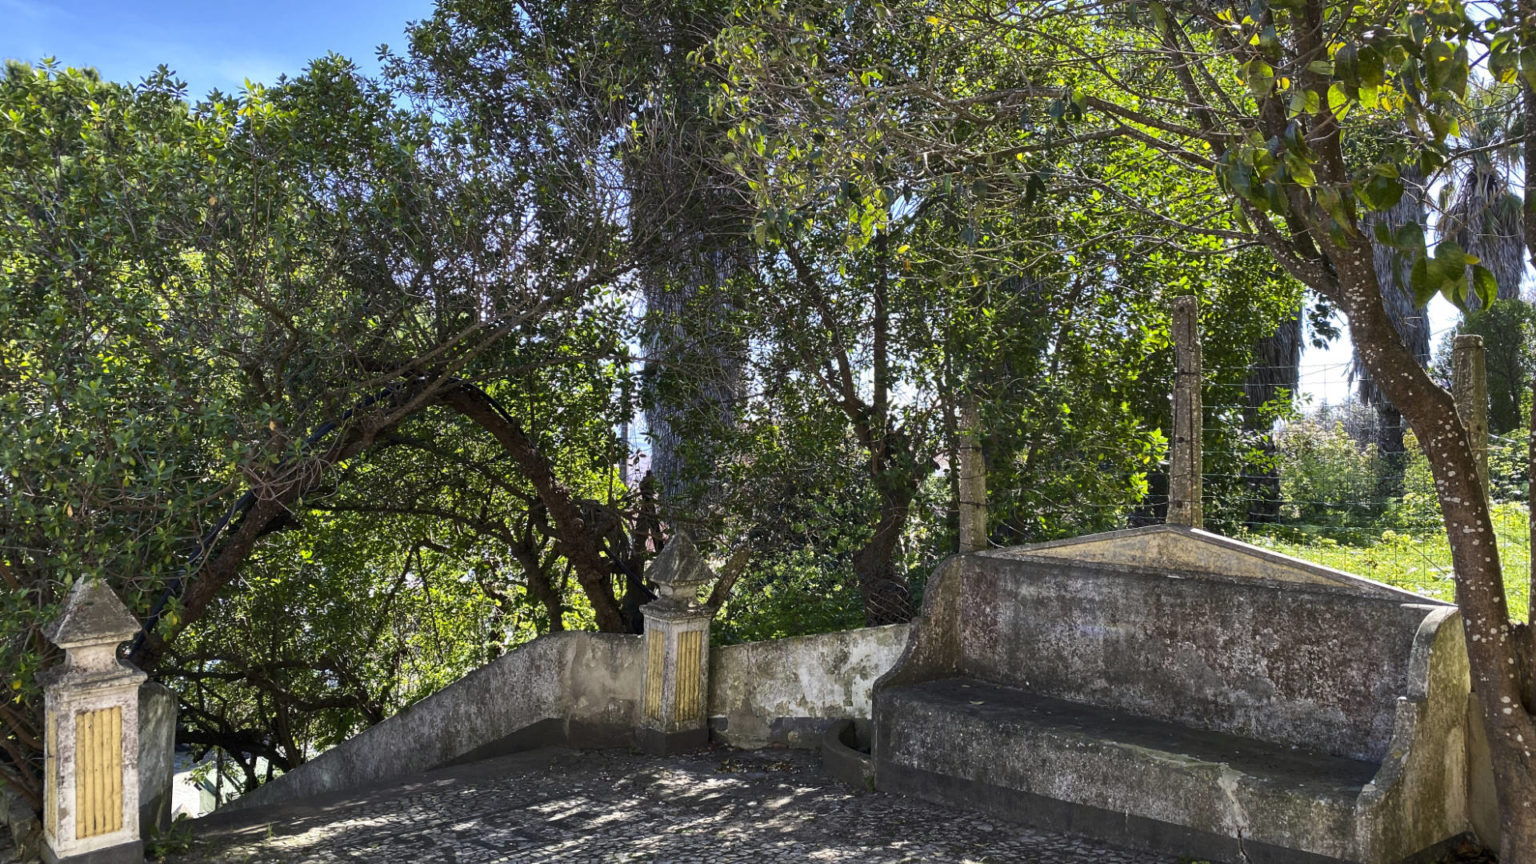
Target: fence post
x: 1469, y: 386
x: 675, y: 716
x: 91, y: 749
x: 1184, y: 468
x: 973, y: 479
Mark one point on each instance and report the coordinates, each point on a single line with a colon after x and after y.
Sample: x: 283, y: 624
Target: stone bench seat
x: 1176, y: 691
x: 1031, y: 754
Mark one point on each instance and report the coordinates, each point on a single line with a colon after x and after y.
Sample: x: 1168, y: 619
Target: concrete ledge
x: 564, y: 688
x: 1162, y: 772
x: 1122, y: 829
x: 843, y: 759
x: 785, y: 692
x: 124, y: 853
x: 1280, y: 665
x: 669, y: 743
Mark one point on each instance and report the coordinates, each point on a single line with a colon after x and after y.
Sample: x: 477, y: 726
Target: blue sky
x: 211, y: 44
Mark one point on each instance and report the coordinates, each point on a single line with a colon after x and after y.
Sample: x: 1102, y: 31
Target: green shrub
x: 1326, y: 478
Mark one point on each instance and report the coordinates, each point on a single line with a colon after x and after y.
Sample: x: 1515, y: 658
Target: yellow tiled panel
x: 690, y: 653
x: 656, y: 655
x: 98, y: 772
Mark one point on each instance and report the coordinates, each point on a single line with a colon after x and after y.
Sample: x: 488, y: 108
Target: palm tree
x: 1484, y: 216
x: 1276, y: 368
x: 1411, y: 321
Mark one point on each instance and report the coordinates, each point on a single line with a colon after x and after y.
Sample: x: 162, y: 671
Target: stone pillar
x: 1184, y: 467
x: 973, y: 480
x: 157, y: 757
x: 91, y: 751
x: 675, y: 716
x: 1469, y: 385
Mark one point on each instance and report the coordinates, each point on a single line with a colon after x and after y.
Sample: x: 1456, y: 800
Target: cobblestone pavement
x: 762, y: 807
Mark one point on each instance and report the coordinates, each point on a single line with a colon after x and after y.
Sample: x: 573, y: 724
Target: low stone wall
x: 787, y: 691
x: 586, y: 690
x: 565, y: 688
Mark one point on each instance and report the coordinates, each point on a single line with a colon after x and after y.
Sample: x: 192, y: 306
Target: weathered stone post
x: 1184, y: 489
x: 157, y: 757
x: 973, y: 479
x: 1469, y: 385
x: 91, y: 752
x: 675, y: 713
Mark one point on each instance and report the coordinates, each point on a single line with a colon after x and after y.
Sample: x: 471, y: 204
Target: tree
x: 634, y: 81
x: 1410, y: 317
x: 1279, y: 148
x: 215, y: 313
x: 1484, y: 216
x: 1268, y: 98
x: 1050, y: 321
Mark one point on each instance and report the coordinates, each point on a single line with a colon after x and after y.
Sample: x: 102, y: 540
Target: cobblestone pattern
x: 725, y: 806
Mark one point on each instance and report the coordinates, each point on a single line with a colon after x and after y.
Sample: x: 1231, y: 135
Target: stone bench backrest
x: 1311, y: 668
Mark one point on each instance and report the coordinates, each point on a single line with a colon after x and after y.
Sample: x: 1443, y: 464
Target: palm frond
x: 1392, y: 273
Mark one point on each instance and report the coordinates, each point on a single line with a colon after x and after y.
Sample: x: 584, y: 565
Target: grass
x: 1418, y: 561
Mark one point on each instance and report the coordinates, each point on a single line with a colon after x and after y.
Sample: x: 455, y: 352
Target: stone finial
x: 94, y: 622
x: 679, y: 572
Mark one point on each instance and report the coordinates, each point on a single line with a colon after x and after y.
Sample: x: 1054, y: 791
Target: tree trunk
x: 1276, y: 368
x: 691, y: 370
x: 1527, y: 631
x: 268, y: 509
x: 1491, y: 639
x: 572, y: 539
x: 887, y: 597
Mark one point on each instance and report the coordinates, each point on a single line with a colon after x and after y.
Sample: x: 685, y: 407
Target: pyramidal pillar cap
x: 679, y: 571
x: 94, y: 622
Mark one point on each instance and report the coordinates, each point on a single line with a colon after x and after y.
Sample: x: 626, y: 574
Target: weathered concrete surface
x: 1185, y: 489
x: 1420, y: 794
x: 786, y: 691
x: 91, y: 757
x: 563, y: 686
x: 1274, y: 662
x: 157, y: 757
x: 587, y: 690
x: 1185, y: 550
x: 561, y: 807
x: 21, y: 832
x: 675, y: 715
x: 602, y: 689
x: 1104, y: 761
x: 1482, y: 795
x: 845, y: 756
x: 1090, y: 670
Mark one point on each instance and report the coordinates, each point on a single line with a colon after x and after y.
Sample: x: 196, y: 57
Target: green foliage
x: 795, y: 593
x: 1417, y: 560
x: 1326, y: 477
x: 174, y: 840
x: 189, y: 293
x: 903, y: 209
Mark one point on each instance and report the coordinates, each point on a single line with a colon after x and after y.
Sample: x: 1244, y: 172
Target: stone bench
x: 1173, y: 690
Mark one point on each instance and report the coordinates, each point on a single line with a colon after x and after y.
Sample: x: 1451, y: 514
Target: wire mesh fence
x: 1337, y: 480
